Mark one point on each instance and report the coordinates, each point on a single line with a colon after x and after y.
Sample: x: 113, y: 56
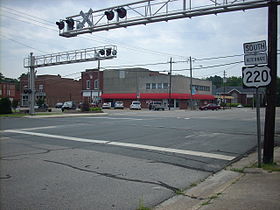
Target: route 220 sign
x: 258, y: 76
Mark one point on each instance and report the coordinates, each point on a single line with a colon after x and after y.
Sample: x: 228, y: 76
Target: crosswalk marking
x: 128, y: 145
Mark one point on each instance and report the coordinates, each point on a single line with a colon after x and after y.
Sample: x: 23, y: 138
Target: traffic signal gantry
x: 60, y: 58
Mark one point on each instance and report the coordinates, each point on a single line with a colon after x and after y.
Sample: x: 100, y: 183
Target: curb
x: 67, y: 115
x: 195, y: 197
x: 205, y: 191
x: 209, y: 189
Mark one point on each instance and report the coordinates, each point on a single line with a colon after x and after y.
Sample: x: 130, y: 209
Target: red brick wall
x: 92, y: 75
x: 9, y: 90
x: 57, y: 89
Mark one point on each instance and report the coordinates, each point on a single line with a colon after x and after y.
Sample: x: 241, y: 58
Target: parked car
x: 118, y: 105
x: 156, y: 105
x: 42, y: 108
x: 106, y: 105
x: 210, y: 107
x: 58, y: 105
x: 135, y: 105
x: 68, y: 105
x: 239, y: 106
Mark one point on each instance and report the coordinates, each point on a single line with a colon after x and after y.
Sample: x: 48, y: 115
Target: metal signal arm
x: 144, y: 12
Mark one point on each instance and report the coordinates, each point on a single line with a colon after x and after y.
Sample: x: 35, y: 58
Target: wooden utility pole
x: 170, y: 79
x: 191, y: 85
x: 269, y: 129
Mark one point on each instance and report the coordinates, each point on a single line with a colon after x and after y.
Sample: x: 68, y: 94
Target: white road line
x: 113, y: 118
x: 38, y: 128
x: 130, y: 145
x: 58, y: 136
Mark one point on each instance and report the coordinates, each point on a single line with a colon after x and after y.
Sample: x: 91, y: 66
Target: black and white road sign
x: 258, y: 76
x: 255, y: 53
x: 255, y: 59
x: 254, y: 47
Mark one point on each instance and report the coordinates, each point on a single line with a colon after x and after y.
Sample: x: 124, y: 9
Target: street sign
x: 258, y: 76
x: 254, y: 47
x: 255, y: 59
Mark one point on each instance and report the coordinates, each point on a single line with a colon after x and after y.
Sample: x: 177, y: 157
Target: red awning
x: 156, y: 96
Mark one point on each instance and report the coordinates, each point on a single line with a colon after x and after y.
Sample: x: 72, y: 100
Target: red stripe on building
x: 156, y: 96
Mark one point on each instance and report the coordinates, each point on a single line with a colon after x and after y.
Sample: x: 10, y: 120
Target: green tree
x: 5, y: 106
x: 216, y: 80
x: 10, y: 80
x: 234, y: 81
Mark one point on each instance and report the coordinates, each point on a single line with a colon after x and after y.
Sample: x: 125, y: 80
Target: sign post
x: 256, y: 76
x: 258, y: 127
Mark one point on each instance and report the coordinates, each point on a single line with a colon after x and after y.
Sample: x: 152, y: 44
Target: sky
x: 29, y: 26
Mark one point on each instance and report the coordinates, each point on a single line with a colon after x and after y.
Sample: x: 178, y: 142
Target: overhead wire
x: 22, y: 44
x: 49, y: 23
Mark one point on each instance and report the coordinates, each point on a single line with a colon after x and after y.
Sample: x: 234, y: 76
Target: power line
x: 49, y: 23
x: 215, y: 58
x: 28, y: 22
x: 23, y: 44
x: 26, y: 14
x: 106, y: 39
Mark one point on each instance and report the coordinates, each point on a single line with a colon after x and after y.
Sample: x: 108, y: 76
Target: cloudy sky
x: 29, y: 26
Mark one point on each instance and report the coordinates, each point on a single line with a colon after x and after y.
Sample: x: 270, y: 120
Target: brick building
x: 92, y: 85
x: 238, y: 94
x: 9, y: 90
x: 53, y: 89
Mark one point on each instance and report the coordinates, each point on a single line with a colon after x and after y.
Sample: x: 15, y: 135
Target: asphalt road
x: 120, y: 160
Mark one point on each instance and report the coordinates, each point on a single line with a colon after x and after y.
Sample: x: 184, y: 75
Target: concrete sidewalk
x: 239, y: 186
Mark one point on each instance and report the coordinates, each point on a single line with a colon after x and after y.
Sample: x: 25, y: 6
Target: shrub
x: 94, y: 109
x: 40, y: 102
x: 85, y: 107
x: 232, y: 104
x: 5, y: 106
x: 15, y: 104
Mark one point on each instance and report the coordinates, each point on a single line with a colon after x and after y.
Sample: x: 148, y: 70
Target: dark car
x: 210, y: 107
x: 58, y: 105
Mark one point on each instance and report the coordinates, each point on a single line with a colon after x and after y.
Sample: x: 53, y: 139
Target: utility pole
x: 224, y: 83
x: 170, y: 75
x: 98, y: 79
x: 269, y: 129
x: 191, y: 82
x: 31, y: 85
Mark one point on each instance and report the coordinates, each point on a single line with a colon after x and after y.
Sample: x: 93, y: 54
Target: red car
x: 210, y: 107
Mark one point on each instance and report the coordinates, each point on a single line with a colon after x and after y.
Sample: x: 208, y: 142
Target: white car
x: 118, y: 105
x: 135, y: 105
x: 106, y: 105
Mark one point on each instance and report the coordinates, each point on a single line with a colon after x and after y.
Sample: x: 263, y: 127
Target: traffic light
x: 70, y: 24
x: 27, y: 91
x: 110, y: 14
x: 60, y: 25
x: 108, y: 51
x: 121, y: 12
x: 102, y: 52
x: 114, y: 53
